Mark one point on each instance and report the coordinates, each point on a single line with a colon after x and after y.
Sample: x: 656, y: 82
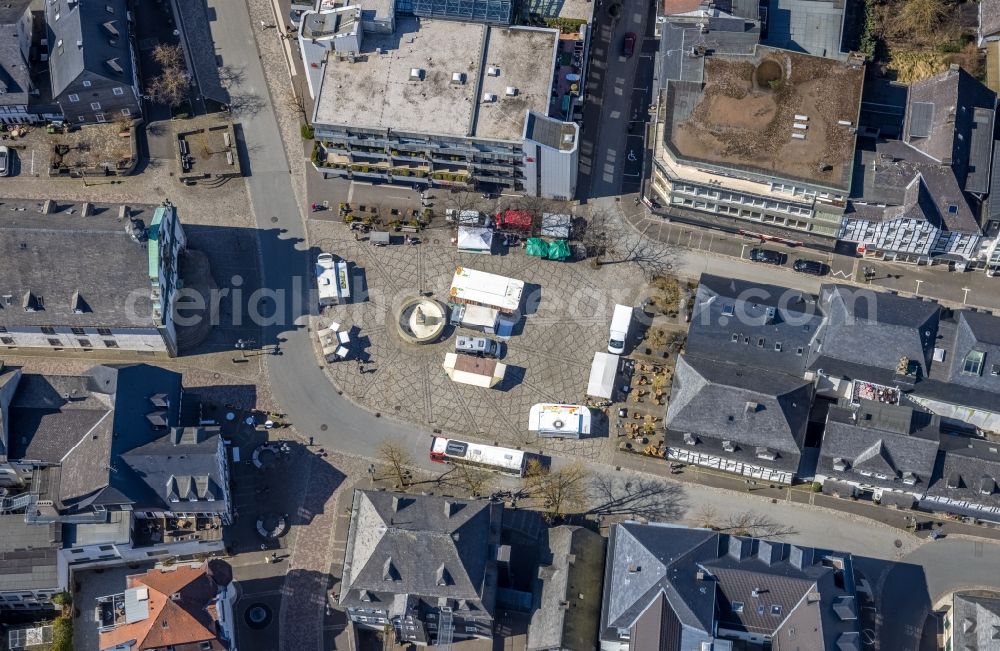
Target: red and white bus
x: 488, y: 457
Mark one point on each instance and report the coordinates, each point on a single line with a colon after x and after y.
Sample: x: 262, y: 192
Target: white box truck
x: 620, y: 323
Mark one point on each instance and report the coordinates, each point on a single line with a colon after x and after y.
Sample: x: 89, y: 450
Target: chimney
x: 396, y: 505
x: 450, y: 508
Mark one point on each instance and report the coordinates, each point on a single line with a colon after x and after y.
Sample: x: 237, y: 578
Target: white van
x: 620, y: 323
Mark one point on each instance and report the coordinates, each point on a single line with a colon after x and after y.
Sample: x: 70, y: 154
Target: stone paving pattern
x: 548, y: 362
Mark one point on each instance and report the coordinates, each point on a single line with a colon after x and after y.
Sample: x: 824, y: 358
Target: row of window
x: 760, y: 343
x: 56, y: 343
x: 73, y: 97
x: 744, y: 199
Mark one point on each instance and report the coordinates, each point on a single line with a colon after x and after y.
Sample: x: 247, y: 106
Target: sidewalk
x: 933, y: 282
x: 803, y: 495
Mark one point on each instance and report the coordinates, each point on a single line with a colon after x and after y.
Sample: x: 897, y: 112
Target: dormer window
x: 973, y: 363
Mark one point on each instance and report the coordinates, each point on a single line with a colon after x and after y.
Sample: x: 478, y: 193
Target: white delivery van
x: 620, y: 323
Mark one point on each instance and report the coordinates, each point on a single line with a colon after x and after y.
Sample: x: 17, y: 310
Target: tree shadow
x: 243, y: 105
x: 618, y: 497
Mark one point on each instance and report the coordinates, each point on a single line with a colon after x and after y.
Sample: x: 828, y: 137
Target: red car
x: 628, y: 46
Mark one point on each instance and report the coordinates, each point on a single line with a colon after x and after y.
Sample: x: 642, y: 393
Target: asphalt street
x: 301, y: 387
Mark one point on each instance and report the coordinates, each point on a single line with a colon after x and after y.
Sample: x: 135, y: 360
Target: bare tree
x: 743, y: 523
x: 472, y: 479
x: 611, y: 241
x: 562, y: 491
x: 394, y: 456
x: 169, y: 56
x: 170, y: 87
x: 651, y: 499
x: 294, y: 101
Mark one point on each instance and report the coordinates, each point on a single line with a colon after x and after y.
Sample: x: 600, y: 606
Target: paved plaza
x: 567, y: 312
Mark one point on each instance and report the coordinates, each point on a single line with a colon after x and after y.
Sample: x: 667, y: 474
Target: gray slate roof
x: 752, y: 409
x: 27, y: 555
x: 15, y: 75
x: 403, y: 548
x: 975, y: 620
x: 877, y: 328
x: 941, y: 122
x: 55, y: 256
x: 97, y: 427
x: 770, y: 323
x: 970, y: 471
x: 87, y: 45
x: 891, y: 440
x: 568, y: 592
x: 979, y: 333
x: 960, y: 333
x: 656, y: 565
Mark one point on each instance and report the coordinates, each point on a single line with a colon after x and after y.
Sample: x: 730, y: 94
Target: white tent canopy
x: 474, y: 239
x: 603, y: 372
x: 559, y: 420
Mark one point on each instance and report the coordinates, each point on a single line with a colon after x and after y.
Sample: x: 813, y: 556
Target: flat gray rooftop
x: 572, y: 9
x: 27, y: 555
x: 810, y: 26
x: 376, y: 91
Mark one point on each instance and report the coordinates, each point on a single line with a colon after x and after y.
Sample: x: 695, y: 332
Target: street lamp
x: 918, y: 281
x: 965, y: 295
x: 243, y: 344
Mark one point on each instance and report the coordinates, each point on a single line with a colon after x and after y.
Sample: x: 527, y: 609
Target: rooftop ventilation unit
x: 458, y: 78
x: 489, y: 98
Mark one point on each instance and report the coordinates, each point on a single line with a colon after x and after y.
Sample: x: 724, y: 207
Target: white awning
x: 603, y: 372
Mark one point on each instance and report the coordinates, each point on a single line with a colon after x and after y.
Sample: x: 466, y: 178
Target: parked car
x: 768, y: 257
x: 810, y: 267
x: 479, y: 346
x: 4, y: 161
x: 628, y: 45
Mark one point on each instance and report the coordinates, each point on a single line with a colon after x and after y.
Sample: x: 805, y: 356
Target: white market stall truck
x: 473, y: 287
x: 569, y: 421
x: 332, y: 280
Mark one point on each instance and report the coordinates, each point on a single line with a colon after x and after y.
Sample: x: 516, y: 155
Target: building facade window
x: 86, y: 83
x: 99, y: 117
x: 73, y: 97
x: 118, y: 90
x: 95, y: 106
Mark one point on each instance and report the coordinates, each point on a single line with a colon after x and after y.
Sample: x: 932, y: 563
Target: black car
x: 767, y: 257
x: 810, y: 267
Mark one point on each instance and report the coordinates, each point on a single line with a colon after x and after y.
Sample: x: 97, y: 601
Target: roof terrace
x: 776, y: 113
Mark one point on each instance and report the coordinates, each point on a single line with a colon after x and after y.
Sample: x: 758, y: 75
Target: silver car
x: 4, y: 161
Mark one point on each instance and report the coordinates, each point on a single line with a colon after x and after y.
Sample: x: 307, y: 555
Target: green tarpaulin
x: 536, y: 246
x: 558, y: 250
